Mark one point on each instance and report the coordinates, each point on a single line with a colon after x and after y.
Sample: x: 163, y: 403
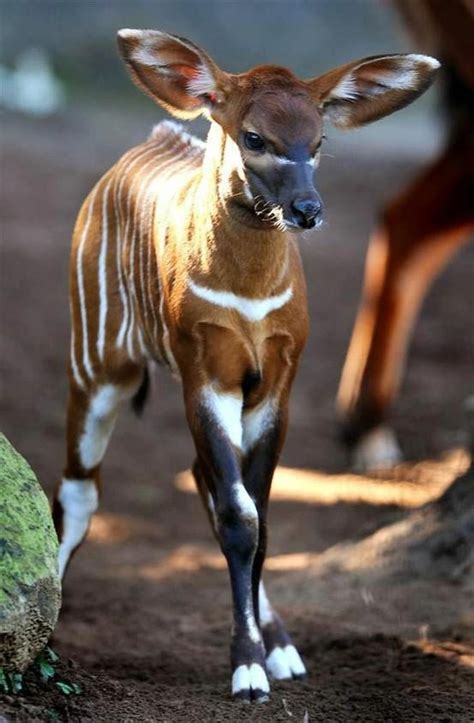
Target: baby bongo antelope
x: 185, y: 253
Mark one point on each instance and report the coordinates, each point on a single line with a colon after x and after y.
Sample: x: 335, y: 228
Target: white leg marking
x: 278, y: 665
x: 249, y: 677
x: 284, y: 663
x: 256, y: 423
x: 99, y: 423
x: 377, y: 449
x: 102, y: 273
x: 265, y: 608
x: 226, y: 410
x: 212, y: 509
x: 296, y: 664
x: 80, y: 282
x: 241, y: 679
x: 244, y: 502
x: 252, y: 627
x: 79, y: 500
x: 248, y: 511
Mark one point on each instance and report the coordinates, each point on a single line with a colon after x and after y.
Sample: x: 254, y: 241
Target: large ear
x: 173, y: 71
x: 368, y: 89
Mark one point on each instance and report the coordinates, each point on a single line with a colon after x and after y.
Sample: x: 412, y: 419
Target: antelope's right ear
x: 173, y: 71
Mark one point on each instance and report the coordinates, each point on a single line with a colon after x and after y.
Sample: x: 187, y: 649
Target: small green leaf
x: 3, y: 681
x: 46, y: 670
x: 16, y: 682
x: 68, y: 688
x: 64, y: 687
x: 54, y: 657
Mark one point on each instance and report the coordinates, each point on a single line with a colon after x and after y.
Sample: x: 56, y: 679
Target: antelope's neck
x: 232, y: 251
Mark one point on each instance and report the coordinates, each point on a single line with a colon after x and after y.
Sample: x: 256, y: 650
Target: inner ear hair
x: 363, y: 91
x: 172, y: 70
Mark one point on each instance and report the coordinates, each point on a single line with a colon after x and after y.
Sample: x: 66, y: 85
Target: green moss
x: 28, y: 542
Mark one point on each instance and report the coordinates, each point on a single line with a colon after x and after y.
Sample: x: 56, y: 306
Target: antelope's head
x: 272, y: 120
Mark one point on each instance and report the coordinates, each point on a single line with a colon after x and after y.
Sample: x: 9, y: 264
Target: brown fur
x: 169, y: 215
x: 419, y: 233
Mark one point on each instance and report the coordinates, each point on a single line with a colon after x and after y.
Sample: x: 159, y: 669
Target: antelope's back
x: 114, y: 274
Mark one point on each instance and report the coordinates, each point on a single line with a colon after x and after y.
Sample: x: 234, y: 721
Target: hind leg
x: 91, y: 417
x: 420, y: 232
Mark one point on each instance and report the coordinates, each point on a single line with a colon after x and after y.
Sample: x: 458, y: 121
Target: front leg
x: 264, y: 430
x: 215, y: 418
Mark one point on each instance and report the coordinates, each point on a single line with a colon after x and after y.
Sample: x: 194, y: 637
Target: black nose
x: 307, y: 212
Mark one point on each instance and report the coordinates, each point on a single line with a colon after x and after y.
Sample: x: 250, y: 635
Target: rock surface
x: 30, y: 590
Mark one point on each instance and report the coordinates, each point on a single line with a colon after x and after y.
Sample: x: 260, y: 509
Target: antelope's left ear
x: 368, y: 89
x: 176, y: 73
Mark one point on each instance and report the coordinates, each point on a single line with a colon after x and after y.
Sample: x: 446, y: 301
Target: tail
x: 140, y: 397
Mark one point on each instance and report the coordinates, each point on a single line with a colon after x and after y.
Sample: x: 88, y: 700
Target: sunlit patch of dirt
x: 448, y: 650
x: 407, y: 485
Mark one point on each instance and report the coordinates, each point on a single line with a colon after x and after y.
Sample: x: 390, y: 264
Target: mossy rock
x: 30, y: 589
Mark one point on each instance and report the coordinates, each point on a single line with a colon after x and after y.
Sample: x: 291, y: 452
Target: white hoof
x: 250, y: 682
x: 285, y: 663
x: 378, y: 449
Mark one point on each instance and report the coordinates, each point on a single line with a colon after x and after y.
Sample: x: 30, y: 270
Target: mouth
x: 269, y: 213
x: 297, y: 228
x: 273, y: 214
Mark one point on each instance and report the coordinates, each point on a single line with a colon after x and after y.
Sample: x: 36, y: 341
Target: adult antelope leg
x: 91, y: 416
x: 419, y: 233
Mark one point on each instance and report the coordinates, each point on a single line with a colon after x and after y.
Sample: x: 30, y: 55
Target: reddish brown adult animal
x: 419, y: 232
x: 184, y: 254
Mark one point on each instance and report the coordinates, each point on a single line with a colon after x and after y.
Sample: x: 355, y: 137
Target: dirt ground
x: 145, y: 621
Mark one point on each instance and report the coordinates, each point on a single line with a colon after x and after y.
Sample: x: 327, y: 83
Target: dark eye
x: 253, y: 141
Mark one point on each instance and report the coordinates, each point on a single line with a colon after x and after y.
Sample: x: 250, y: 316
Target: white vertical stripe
x: 130, y: 325
x: 80, y: 282
x: 143, y: 188
x: 149, y: 281
x: 161, y: 249
x: 102, y: 274
x: 119, y: 220
x: 141, y: 343
x: 74, y: 367
x: 143, y: 184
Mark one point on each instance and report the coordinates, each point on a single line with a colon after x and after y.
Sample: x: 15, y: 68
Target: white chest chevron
x: 250, y: 309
